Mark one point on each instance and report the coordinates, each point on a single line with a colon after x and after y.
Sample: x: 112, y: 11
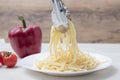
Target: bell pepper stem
x: 23, y: 21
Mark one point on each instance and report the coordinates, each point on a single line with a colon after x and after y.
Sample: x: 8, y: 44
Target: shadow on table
x: 99, y: 75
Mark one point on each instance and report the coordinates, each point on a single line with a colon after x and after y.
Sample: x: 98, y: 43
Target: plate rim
x: 64, y: 73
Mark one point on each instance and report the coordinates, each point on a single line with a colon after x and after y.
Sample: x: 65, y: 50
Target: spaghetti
x: 65, y: 54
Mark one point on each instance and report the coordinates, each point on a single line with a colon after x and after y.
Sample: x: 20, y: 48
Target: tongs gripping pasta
x: 59, y: 15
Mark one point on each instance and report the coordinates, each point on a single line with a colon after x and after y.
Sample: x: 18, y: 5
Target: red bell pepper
x: 25, y: 40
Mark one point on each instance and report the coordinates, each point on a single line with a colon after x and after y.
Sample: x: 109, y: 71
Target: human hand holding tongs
x: 60, y: 15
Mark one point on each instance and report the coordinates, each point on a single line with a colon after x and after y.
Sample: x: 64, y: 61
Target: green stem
x: 23, y: 21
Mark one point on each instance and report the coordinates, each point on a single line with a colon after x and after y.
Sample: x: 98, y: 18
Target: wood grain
x: 98, y: 23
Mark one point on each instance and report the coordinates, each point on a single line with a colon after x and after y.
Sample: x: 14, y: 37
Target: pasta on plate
x: 65, y: 54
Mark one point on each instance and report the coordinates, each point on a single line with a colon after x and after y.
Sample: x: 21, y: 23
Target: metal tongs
x: 60, y: 15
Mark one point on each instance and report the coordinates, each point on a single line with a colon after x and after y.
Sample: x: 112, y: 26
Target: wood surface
x: 96, y: 21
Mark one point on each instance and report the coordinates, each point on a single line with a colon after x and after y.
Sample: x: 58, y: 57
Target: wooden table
x: 96, y: 21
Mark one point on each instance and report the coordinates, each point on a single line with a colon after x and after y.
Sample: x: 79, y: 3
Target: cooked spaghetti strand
x: 65, y: 54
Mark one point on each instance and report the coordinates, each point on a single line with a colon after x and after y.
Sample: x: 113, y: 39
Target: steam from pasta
x: 65, y: 54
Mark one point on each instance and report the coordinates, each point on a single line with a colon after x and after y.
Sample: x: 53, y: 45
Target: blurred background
x: 96, y: 21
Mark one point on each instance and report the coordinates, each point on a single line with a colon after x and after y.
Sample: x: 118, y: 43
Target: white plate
x: 29, y: 63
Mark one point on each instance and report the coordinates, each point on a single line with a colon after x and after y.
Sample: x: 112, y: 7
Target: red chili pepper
x: 1, y: 61
x: 25, y: 40
x: 2, y: 53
